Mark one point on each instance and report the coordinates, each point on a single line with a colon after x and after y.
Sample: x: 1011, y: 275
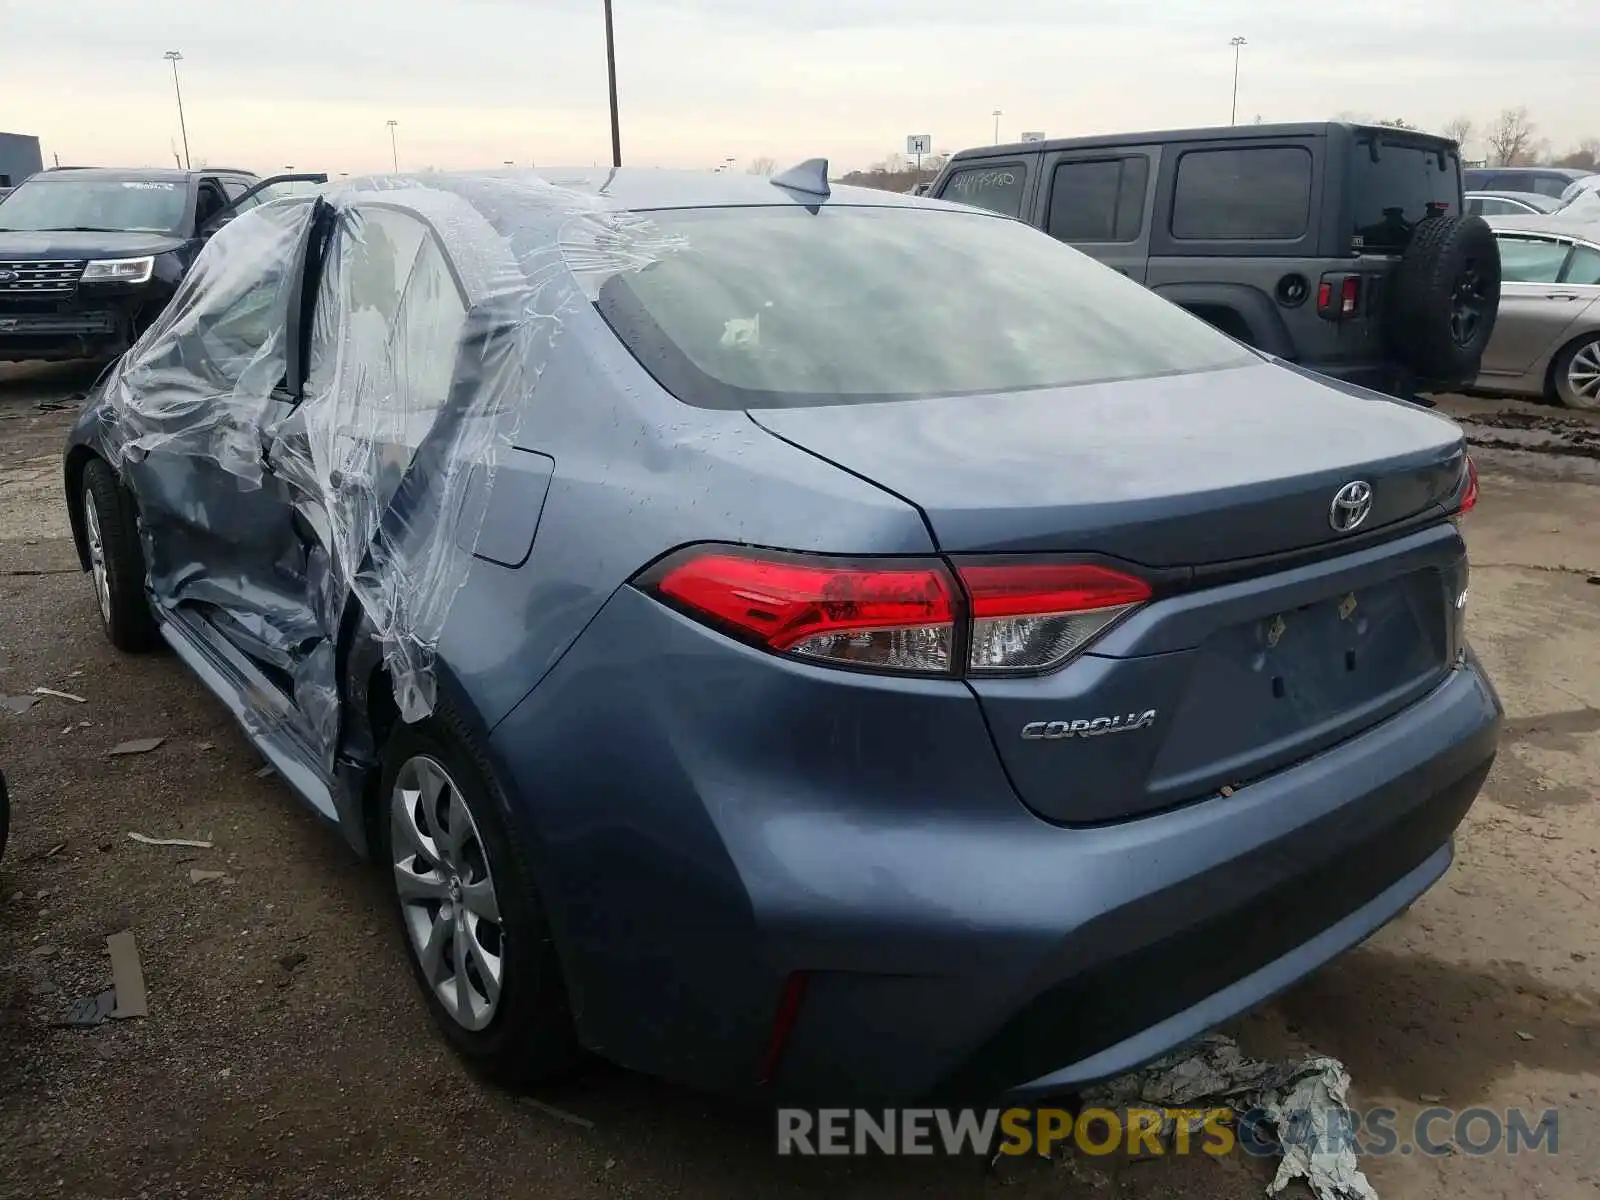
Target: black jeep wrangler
x: 1340, y: 247
x: 89, y: 256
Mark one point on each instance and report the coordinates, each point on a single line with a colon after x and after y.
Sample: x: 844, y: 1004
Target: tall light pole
x: 611, y: 76
x: 997, y: 114
x: 173, y: 57
x: 1233, y: 118
x: 394, y: 145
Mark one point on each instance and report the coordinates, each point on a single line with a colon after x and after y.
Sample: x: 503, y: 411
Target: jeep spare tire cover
x: 1444, y: 296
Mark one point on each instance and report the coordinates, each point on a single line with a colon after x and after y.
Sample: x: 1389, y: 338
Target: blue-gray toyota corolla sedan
x: 807, y: 642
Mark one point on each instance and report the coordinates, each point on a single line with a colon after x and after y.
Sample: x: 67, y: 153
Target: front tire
x: 1576, y: 374
x: 474, y: 930
x: 116, y: 561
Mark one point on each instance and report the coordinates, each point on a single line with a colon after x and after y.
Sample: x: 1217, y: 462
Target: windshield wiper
x: 70, y: 229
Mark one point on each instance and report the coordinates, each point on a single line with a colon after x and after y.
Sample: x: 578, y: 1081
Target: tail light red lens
x: 891, y: 615
x: 1349, y: 295
x: 1469, y: 497
x: 897, y: 614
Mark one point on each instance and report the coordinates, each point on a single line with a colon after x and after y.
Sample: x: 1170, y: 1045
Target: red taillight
x: 1033, y: 616
x: 898, y: 614
x: 1470, y: 498
x: 1349, y: 295
x: 1325, y: 297
x: 794, y: 991
x: 891, y: 614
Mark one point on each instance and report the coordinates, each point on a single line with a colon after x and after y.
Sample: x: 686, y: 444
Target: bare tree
x: 762, y: 166
x: 1585, y: 155
x: 1511, y: 138
x: 1459, y: 130
x: 1395, y: 123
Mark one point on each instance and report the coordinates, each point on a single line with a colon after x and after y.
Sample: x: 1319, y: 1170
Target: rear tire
x: 116, y: 561
x: 1575, y: 374
x: 1445, y: 297
x: 462, y: 891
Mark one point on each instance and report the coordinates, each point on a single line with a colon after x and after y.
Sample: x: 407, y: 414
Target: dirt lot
x: 286, y: 1055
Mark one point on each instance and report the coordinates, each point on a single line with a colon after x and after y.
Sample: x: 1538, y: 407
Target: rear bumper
x: 708, y: 820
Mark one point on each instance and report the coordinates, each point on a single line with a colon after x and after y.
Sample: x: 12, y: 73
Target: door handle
x: 1562, y: 296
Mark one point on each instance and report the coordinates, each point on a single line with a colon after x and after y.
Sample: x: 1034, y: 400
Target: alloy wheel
x: 1583, y: 376
x: 1467, y: 304
x: 97, y: 555
x: 446, y: 891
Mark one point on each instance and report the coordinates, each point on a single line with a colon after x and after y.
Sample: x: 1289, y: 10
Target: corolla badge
x: 1351, y: 505
x: 7, y: 275
x: 1035, y: 731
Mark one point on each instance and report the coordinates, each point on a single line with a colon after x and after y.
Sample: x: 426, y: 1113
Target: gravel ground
x: 285, y: 1054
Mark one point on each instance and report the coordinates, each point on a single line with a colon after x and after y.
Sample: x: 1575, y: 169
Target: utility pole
x: 611, y: 76
x: 394, y: 145
x: 1233, y: 118
x: 174, y: 57
x: 997, y: 114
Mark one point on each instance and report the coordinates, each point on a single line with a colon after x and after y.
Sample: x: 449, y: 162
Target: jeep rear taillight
x: 915, y: 616
x: 1338, y: 297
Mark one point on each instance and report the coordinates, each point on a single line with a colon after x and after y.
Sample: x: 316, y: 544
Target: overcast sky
x: 311, y: 83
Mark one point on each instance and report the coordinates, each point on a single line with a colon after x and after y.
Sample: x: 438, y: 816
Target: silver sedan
x: 1547, y: 337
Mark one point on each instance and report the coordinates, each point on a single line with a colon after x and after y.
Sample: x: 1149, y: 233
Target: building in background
x: 19, y: 158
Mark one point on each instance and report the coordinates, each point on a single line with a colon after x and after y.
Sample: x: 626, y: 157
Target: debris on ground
x: 90, y: 1010
x: 290, y: 961
x: 44, y: 691
x: 1302, y: 1105
x: 137, y: 746
x: 127, y: 976
x: 560, y: 1114
x: 263, y: 772
x: 145, y: 840
x: 17, y: 705
x: 198, y: 876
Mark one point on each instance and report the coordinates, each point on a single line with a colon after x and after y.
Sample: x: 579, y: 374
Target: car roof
x: 1565, y: 172
x: 499, y: 225
x: 1508, y: 194
x: 1231, y: 133
x: 135, y: 174
x: 1584, y: 224
x: 642, y: 188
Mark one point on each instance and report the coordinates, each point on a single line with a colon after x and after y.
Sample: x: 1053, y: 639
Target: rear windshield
x: 785, y: 307
x: 1391, y: 195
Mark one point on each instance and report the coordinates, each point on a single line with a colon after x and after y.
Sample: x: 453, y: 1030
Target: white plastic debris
x: 1303, y: 1104
x: 153, y: 841
x: 44, y: 691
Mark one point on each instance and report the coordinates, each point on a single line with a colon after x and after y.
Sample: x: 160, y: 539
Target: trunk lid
x: 1243, y: 664
x: 1177, y: 471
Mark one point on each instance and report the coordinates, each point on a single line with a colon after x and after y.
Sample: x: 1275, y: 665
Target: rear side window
x: 1584, y: 267
x: 1531, y: 260
x: 1390, y: 196
x: 780, y: 307
x: 1100, y: 200
x: 1241, y: 194
x: 998, y: 187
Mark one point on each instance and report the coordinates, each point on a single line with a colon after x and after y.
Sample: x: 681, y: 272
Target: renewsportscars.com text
x: 1377, y: 1132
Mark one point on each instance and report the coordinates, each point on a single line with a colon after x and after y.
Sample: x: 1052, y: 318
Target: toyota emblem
x: 1351, y: 505
x: 8, y: 276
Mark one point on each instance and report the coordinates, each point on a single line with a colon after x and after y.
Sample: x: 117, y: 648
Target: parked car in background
x: 799, y: 641
x: 1343, y: 248
x: 1547, y: 181
x: 1589, y: 185
x: 89, y: 256
x: 1510, y: 204
x: 1547, y: 341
